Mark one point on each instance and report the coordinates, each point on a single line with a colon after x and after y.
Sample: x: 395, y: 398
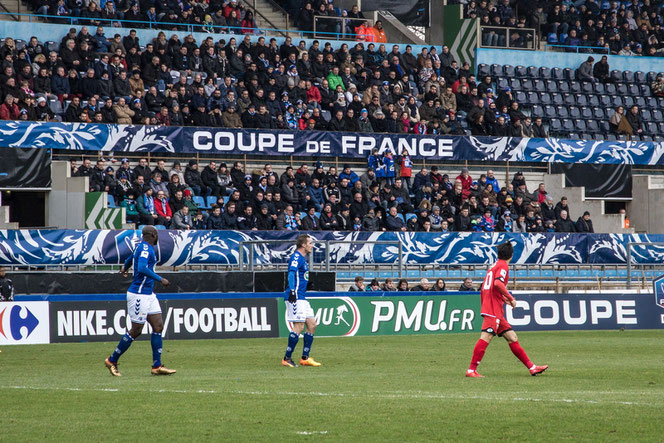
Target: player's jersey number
x: 488, y: 281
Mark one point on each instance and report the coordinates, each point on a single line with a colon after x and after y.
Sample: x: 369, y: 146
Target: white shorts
x: 299, y: 311
x: 139, y: 306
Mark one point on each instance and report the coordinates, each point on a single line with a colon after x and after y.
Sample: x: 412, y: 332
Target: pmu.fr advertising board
x: 183, y: 319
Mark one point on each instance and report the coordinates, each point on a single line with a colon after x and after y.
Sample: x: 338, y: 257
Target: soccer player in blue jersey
x: 298, y: 309
x: 142, y: 304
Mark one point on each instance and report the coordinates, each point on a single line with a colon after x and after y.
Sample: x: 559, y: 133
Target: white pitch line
x: 311, y: 432
x: 377, y: 395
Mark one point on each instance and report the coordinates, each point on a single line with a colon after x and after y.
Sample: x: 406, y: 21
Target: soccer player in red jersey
x: 494, y: 295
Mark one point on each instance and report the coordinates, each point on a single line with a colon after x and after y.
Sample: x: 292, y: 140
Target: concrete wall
x: 646, y: 210
x: 555, y: 186
x: 552, y: 59
x: 65, y: 203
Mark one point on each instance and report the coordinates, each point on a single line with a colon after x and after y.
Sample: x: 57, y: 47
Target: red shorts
x: 495, y: 326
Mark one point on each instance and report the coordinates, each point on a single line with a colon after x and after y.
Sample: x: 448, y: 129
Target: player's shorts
x: 299, y: 311
x: 139, y: 306
x: 495, y: 326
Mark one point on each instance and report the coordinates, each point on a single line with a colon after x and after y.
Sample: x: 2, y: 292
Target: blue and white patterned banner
x: 192, y: 140
x: 177, y: 248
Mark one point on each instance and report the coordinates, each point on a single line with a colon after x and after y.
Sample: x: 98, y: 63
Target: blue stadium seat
x: 586, y: 112
x: 593, y: 100
x: 537, y: 111
x: 568, y: 125
x: 545, y: 73
x: 160, y: 227
x: 658, y: 139
x: 569, y: 74
x: 634, y: 90
x: 610, y: 137
x: 413, y: 274
x: 557, y: 99
x: 400, y: 215
x: 509, y: 71
x: 226, y: 198
x: 610, y: 89
x: 644, y: 90
x: 646, y: 138
x: 497, y: 70
x: 651, y: 128
x: 557, y: 74
x: 532, y: 72
x: 651, y: 77
x: 520, y: 97
x: 606, y: 101
x: 573, y: 135
x: 572, y: 273
x: 483, y: 70
x: 200, y: 201
x: 547, y: 273
x: 660, y: 102
x: 580, y: 125
x: 453, y: 273
x: 527, y: 84
x: 550, y: 112
x: 544, y: 98
x: 592, y: 126
x: 343, y: 275
x: 551, y: 85
x: 521, y: 71
x: 562, y: 86
x: 555, y: 125
x: 585, y: 273
x: 532, y: 98
x: 574, y: 112
x: 616, y: 76
x: 657, y: 115
x: 570, y: 99
x: 502, y: 83
x: 539, y: 86
x: 562, y: 112
x: 515, y: 84
x: 587, y: 88
x: 581, y: 100
x: 211, y: 201
x: 646, y: 115
x: 111, y: 201
x: 629, y: 101
x: 599, y: 88
x: 575, y: 87
x: 628, y: 76
x: 534, y: 273
x: 640, y: 102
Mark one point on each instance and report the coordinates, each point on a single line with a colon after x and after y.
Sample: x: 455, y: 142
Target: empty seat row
x: 544, y: 73
x: 592, y: 100
x: 597, y: 113
x: 573, y: 86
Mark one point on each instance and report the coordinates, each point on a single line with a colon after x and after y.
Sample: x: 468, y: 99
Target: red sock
x: 478, y: 353
x: 518, y: 351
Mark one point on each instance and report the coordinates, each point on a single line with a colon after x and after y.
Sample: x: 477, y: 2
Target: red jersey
x: 492, y: 300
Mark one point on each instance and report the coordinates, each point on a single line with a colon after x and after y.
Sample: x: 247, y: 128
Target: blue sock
x: 156, y: 343
x: 308, y: 340
x: 124, y: 344
x: 292, y: 342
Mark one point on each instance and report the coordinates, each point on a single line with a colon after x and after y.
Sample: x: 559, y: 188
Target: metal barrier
x: 579, y: 49
x: 629, y: 261
x: 170, y: 26
x: 343, y: 25
x: 511, y: 38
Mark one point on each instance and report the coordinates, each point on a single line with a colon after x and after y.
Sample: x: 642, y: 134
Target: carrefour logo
x: 21, y: 322
x: 336, y: 316
x: 24, y: 323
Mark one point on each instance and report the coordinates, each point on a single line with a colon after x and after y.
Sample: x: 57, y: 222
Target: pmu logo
x: 658, y: 289
x: 335, y: 316
x: 21, y: 322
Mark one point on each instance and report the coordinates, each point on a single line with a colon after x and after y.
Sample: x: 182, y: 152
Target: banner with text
x: 200, y: 140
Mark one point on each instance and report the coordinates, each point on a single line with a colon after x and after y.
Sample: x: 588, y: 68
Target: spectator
x: 181, y: 219
x: 374, y: 285
x: 467, y: 285
x: 564, y: 224
x: 358, y: 286
x: 439, y: 286
x: 388, y: 286
x: 310, y: 222
x: 634, y: 119
x: 584, y: 223
x: 601, y: 70
x: 6, y: 286
x: 423, y: 286
x: 403, y: 285
x: 393, y: 222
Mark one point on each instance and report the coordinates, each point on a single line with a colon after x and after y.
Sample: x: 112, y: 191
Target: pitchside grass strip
x: 604, y: 385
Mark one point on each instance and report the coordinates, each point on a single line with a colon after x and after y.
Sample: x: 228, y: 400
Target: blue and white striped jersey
x: 298, y: 276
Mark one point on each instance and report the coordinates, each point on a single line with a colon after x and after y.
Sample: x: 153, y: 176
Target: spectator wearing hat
x: 505, y: 224
x: 585, y: 224
x: 129, y: 203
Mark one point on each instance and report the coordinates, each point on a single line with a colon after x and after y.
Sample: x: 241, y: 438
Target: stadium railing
x: 578, y: 49
x: 181, y: 27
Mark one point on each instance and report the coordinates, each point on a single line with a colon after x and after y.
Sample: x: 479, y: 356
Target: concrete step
x: 646, y: 210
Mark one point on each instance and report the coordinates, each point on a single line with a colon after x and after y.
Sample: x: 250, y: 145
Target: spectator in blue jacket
x: 350, y: 175
x: 316, y: 194
x: 491, y: 179
x: 388, y: 163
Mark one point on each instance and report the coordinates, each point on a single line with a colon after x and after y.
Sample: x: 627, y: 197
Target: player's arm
x: 143, y: 268
x: 127, y: 265
x: 500, y: 287
x: 292, y: 281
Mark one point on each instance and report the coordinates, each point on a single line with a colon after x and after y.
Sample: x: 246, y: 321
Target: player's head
x: 150, y: 235
x: 305, y: 242
x: 505, y: 251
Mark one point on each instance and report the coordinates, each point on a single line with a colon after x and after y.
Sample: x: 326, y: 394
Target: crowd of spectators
x: 384, y: 196
x: 402, y: 285
x: 601, y: 26
x: 95, y: 78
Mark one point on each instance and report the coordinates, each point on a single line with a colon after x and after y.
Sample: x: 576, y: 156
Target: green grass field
x: 600, y: 386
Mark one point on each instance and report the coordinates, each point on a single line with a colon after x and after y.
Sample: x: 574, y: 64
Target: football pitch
x: 601, y: 385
